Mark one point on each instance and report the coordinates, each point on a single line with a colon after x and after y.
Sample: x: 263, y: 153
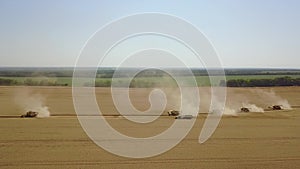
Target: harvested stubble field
x: 253, y: 140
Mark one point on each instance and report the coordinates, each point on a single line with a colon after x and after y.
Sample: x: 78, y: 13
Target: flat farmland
x: 254, y: 140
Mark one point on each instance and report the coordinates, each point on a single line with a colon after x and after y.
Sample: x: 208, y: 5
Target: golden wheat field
x: 265, y: 140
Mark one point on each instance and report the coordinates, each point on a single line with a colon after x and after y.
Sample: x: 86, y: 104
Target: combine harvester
x: 30, y: 114
x: 177, y: 115
x: 173, y: 113
x: 274, y: 107
x: 245, y: 109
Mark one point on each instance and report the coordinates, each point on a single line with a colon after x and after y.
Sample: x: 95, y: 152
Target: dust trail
x: 30, y: 101
x: 236, y: 102
x: 253, y: 107
x: 230, y: 112
x: 271, y: 98
x: 175, y: 100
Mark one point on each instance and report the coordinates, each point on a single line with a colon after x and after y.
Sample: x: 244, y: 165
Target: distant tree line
x: 108, y: 72
x: 29, y: 82
x: 154, y: 82
x: 7, y: 82
x: 280, y: 81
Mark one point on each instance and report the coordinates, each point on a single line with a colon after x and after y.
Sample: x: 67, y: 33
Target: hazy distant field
x: 255, y: 140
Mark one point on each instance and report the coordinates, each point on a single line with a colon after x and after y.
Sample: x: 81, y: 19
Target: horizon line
x: 113, y: 67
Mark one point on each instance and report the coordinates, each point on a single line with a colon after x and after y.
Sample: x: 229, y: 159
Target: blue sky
x: 250, y: 33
